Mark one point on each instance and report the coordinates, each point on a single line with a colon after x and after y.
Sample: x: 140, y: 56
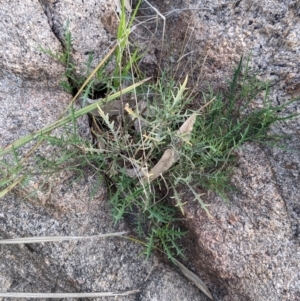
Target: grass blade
x: 194, y: 278
x: 66, y: 295
x: 31, y: 240
x: 24, y: 140
x: 10, y: 187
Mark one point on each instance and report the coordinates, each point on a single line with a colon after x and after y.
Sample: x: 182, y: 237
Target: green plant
x: 125, y: 60
x: 70, y: 82
x: 155, y: 151
x: 142, y: 183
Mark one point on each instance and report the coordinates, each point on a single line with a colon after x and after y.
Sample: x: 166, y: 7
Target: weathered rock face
x: 30, y: 98
x: 91, y: 24
x: 249, y: 244
x: 252, y: 244
x: 250, y: 247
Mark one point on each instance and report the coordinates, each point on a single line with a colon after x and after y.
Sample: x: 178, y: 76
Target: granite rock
x: 251, y: 245
x: 250, y: 249
x: 31, y: 98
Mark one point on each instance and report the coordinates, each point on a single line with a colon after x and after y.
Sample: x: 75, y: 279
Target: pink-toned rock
x: 30, y: 98
x: 252, y: 243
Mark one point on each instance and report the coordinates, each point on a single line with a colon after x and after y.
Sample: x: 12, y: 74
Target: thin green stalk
x: 24, y: 140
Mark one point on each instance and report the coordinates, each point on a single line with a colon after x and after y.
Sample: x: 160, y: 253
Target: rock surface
x: 30, y: 99
x: 250, y: 250
x: 252, y: 244
x: 249, y: 244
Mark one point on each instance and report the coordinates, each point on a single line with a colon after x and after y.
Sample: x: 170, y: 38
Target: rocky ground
x: 250, y: 249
